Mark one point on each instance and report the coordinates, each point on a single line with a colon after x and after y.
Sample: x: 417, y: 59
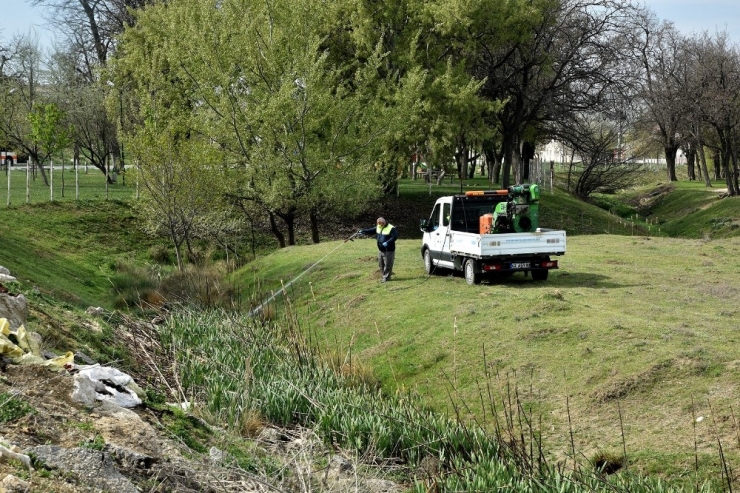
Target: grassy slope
x: 693, y: 211
x: 637, y: 323
x: 68, y: 249
x: 682, y: 209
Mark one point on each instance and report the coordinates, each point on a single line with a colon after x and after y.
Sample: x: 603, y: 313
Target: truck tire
x: 540, y: 275
x: 428, y: 265
x: 471, y: 276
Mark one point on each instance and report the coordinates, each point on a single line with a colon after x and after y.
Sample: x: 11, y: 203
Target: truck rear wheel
x: 471, y: 276
x: 540, y: 275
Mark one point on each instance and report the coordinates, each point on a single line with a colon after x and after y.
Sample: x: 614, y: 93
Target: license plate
x: 520, y: 265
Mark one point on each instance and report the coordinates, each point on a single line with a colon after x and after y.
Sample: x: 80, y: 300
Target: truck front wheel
x: 471, y: 276
x: 428, y: 265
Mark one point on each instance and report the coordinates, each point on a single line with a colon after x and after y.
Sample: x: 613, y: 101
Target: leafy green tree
x: 299, y: 137
x: 47, y: 128
x: 179, y: 179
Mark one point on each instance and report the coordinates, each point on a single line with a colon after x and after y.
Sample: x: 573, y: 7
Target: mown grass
x: 691, y: 213
x: 641, y: 324
x: 70, y: 250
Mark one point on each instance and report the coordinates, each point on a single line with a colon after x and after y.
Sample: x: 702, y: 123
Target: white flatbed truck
x: 490, y: 233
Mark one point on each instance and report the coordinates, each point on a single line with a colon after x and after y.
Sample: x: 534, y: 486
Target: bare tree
x: 92, y: 130
x: 90, y: 27
x: 715, y: 65
x: 572, y: 56
x: 21, y: 94
x: 660, y: 56
x: 600, y: 164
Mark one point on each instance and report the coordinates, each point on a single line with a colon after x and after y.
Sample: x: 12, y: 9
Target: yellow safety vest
x: 384, y: 231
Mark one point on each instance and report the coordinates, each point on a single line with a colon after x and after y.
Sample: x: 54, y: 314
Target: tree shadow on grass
x: 563, y: 280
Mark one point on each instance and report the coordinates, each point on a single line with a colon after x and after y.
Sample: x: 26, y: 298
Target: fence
x: 24, y: 185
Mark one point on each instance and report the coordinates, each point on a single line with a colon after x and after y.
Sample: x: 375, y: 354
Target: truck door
x: 440, y: 226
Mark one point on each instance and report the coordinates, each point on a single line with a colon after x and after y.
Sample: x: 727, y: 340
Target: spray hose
x: 258, y: 309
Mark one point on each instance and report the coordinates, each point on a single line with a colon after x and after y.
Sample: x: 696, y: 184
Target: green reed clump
x: 233, y: 365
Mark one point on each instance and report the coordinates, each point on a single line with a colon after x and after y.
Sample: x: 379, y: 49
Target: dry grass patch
x: 641, y: 382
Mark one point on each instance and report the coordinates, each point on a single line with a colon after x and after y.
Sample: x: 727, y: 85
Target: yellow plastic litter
x: 8, y: 347
x: 27, y: 343
x: 61, y: 361
x: 27, y: 350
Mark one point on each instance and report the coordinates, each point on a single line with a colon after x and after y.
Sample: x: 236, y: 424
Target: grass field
x: 627, y: 346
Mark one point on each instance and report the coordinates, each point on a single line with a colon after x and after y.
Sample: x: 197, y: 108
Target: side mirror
x: 423, y: 225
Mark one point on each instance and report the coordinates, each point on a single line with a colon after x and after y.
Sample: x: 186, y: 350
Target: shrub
x: 160, y: 254
x: 12, y: 409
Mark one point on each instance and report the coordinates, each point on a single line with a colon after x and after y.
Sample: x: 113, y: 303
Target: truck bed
x: 542, y: 242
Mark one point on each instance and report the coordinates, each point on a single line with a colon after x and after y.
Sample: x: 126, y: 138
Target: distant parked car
x: 8, y: 158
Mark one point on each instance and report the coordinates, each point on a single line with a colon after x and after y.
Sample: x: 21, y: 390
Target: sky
x: 689, y: 16
x: 695, y: 16
x: 19, y: 17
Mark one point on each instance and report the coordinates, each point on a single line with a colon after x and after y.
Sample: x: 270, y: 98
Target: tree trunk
x: 570, y: 170
x: 415, y: 165
x: 702, y: 157
x: 469, y: 159
x: 37, y: 165
x: 717, y: 165
x: 178, y: 246
x: 492, y: 161
x: 276, y: 231
x: 527, y: 157
x: 726, y: 171
x: 462, y: 156
x: 691, y: 162
x: 313, y: 216
x: 735, y: 178
x: 516, y: 164
x: 508, y: 155
x: 291, y: 230
x: 670, y: 161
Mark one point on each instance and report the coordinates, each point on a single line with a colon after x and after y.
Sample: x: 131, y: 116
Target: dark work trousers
x: 385, y: 262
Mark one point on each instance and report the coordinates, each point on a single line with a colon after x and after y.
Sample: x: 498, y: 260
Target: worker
x: 386, y: 236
